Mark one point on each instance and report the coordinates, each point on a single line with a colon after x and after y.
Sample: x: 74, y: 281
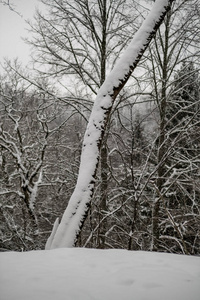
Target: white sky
x: 13, y: 28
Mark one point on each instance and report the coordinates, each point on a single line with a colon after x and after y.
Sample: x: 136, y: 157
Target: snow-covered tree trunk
x: 65, y: 234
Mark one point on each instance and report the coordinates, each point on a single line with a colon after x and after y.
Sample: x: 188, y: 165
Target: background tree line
x: 148, y: 188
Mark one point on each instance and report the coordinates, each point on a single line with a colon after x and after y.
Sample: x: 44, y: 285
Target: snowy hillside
x: 85, y: 274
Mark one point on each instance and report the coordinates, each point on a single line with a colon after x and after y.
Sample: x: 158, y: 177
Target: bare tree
x: 174, y: 44
x: 83, y: 40
x: 30, y: 134
x: 76, y: 212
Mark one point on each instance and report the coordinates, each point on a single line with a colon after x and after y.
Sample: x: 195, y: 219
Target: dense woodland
x: 147, y: 191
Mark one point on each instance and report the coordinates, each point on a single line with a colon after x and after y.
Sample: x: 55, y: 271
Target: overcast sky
x: 13, y: 28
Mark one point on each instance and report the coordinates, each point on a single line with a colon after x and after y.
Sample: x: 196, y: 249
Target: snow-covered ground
x: 85, y: 274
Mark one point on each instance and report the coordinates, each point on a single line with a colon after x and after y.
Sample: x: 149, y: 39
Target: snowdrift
x: 84, y: 274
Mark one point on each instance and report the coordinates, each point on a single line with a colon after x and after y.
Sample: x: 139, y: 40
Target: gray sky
x: 13, y: 27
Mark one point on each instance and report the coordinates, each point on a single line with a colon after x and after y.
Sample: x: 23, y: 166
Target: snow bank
x: 84, y: 274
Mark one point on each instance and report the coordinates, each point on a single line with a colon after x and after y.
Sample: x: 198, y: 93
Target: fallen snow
x: 85, y: 274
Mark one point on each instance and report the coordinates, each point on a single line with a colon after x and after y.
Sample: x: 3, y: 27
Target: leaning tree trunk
x: 66, y: 233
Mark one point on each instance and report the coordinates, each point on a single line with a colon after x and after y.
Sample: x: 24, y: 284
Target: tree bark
x: 103, y: 153
x: 161, y: 160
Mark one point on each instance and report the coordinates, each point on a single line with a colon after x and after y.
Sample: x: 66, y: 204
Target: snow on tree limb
x: 65, y: 235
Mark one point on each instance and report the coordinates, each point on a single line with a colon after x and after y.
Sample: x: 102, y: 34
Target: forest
x: 146, y: 193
